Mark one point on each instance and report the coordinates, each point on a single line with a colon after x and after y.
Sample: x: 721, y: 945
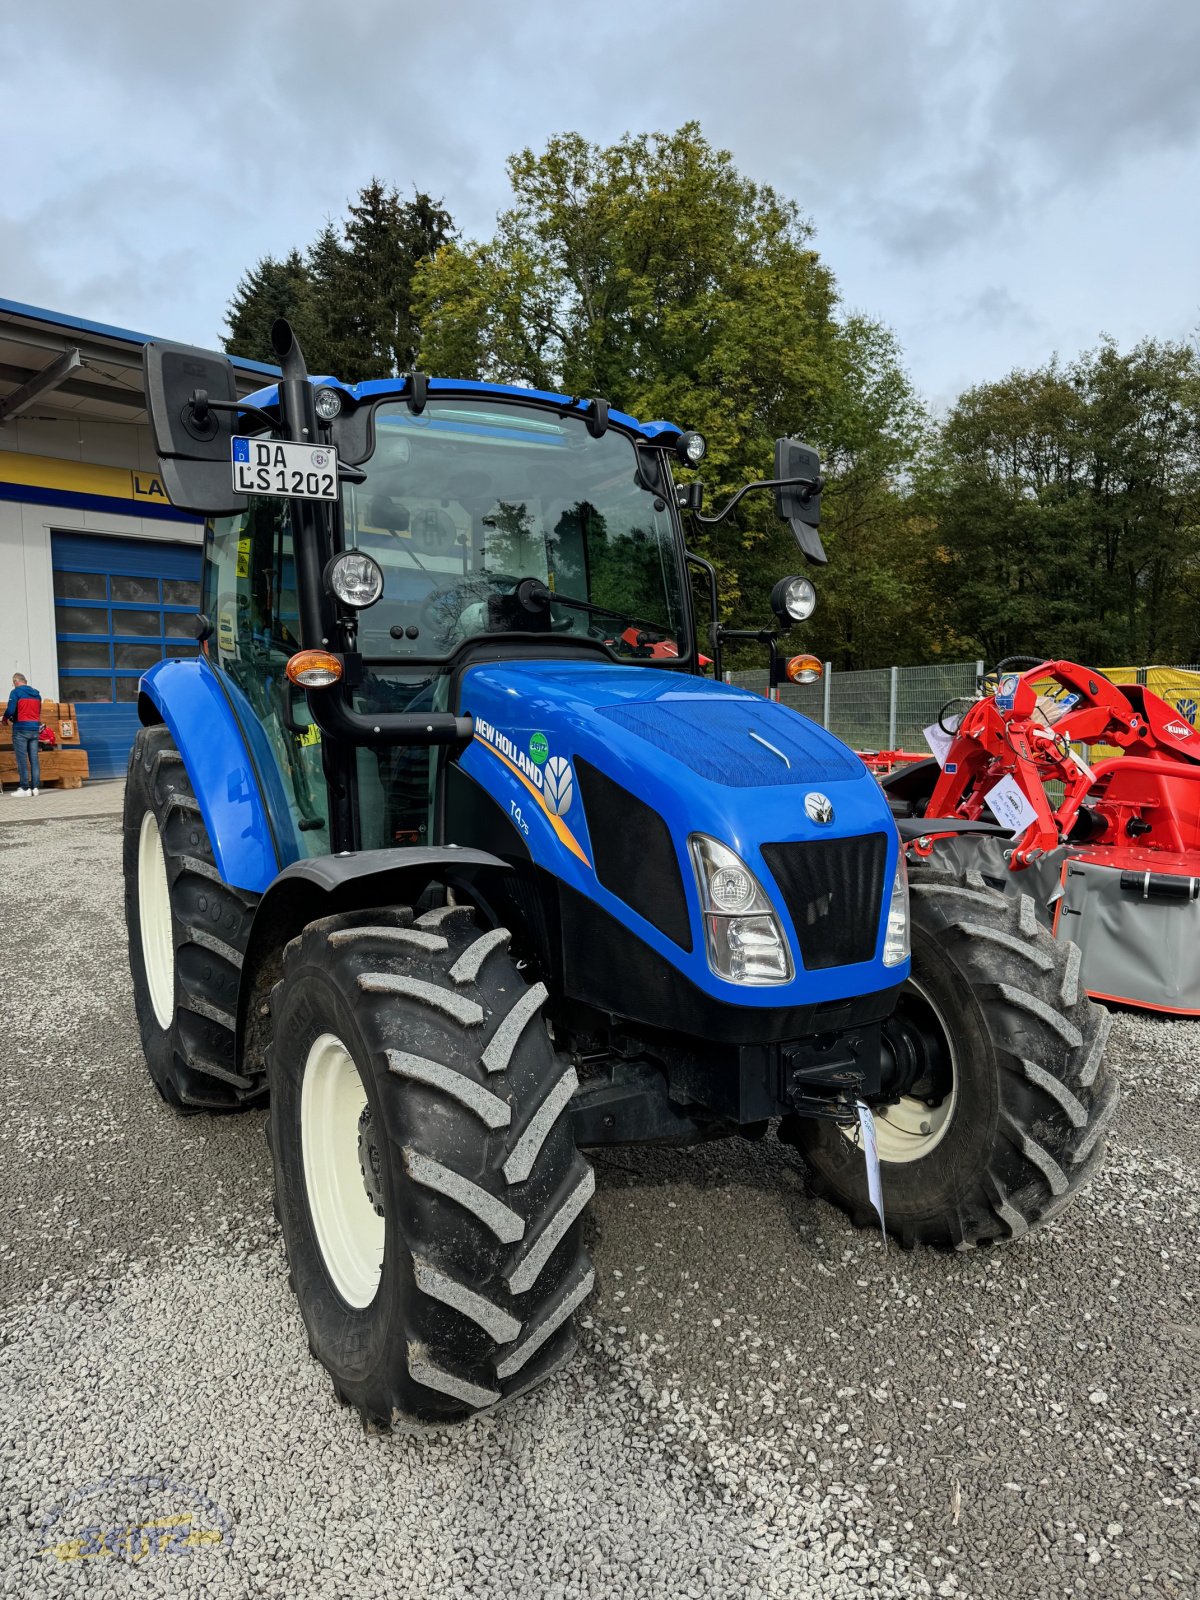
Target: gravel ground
x: 763, y: 1403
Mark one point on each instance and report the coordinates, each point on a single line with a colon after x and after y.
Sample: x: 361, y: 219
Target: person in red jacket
x: 24, y: 711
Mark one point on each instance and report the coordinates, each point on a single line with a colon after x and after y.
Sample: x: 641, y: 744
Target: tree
x: 269, y: 290
x: 349, y: 297
x: 654, y: 273
x: 1067, y: 502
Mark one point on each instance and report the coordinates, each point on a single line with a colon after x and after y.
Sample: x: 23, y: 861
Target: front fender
x: 324, y: 885
x: 189, y: 698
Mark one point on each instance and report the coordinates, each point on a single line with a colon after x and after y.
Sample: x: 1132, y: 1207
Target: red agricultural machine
x: 1107, y: 845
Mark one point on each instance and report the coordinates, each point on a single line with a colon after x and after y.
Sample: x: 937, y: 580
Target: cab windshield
x: 468, y: 499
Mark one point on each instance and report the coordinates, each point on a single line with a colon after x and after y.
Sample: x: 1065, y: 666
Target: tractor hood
x: 605, y: 771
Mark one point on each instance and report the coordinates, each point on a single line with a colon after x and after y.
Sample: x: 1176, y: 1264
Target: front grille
x: 833, y: 890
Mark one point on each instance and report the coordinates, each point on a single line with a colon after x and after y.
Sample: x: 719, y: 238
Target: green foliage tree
x: 1067, y: 507
x: 349, y: 296
x: 654, y: 273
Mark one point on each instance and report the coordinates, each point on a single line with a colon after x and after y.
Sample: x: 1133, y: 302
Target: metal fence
x: 883, y: 709
x: 887, y: 708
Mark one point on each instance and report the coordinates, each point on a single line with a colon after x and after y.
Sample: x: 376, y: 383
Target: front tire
x: 426, y: 1177
x: 1010, y: 1120
x: 187, y: 935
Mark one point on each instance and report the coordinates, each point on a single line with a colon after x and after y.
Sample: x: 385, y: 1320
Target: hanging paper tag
x: 939, y: 741
x: 866, y: 1123
x: 1007, y: 803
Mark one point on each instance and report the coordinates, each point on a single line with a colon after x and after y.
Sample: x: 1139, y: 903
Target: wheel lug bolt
x: 925, y: 1127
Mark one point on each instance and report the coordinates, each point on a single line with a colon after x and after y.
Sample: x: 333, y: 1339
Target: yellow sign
x: 81, y: 478
x: 148, y: 486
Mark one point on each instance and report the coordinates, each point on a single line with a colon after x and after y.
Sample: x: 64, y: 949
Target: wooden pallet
x: 65, y: 769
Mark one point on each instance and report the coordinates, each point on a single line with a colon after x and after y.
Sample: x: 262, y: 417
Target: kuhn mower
x: 1109, y: 848
x: 446, y: 844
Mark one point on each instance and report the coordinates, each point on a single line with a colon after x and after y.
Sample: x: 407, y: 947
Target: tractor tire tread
x: 493, y: 1188
x: 191, y: 1062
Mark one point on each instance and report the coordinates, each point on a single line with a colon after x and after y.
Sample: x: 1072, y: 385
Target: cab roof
x: 382, y: 388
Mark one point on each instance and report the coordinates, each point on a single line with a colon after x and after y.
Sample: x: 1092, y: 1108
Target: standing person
x: 24, y: 711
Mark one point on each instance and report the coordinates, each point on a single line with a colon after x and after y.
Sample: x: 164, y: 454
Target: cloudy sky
x: 996, y: 179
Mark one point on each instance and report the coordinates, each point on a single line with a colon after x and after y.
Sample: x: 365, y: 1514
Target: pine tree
x: 269, y: 290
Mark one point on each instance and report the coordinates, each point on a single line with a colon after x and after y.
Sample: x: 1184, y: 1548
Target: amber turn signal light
x: 314, y: 669
x: 805, y: 669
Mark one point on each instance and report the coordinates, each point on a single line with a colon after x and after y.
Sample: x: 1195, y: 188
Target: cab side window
x: 250, y: 598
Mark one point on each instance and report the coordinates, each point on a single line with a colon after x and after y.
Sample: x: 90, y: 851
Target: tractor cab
x: 485, y: 520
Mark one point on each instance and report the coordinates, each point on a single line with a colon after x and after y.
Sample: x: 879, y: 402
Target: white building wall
x: 26, y: 577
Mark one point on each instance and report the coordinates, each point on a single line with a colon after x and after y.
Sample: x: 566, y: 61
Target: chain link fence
x: 885, y: 708
x: 888, y: 708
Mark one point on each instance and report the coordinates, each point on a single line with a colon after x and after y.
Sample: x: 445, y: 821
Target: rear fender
x: 325, y: 885
x: 188, y: 697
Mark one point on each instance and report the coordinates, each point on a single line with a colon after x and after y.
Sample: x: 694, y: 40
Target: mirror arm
x: 201, y: 405
x: 811, y: 486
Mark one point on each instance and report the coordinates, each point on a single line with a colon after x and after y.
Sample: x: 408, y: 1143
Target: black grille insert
x: 833, y: 889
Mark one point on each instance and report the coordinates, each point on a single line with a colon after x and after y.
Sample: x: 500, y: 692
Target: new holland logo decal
x: 548, y: 778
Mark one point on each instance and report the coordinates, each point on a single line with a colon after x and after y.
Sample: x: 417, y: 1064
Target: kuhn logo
x: 818, y: 807
x: 1180, y: 730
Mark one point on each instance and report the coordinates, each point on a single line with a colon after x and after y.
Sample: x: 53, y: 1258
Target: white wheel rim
x: 349, y: 1231
x: 154, y: 920
x: 910, y: 1129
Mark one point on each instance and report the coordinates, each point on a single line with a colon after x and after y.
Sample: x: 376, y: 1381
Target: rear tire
x: 1022, y: 1126
x: 426, y: 1177
x: 187, y: 936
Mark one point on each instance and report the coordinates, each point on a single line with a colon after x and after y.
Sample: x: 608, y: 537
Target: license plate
x: 271, y: 466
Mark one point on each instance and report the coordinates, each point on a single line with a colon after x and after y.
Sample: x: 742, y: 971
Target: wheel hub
x: 370, y: 1163
x: 918, y: 1092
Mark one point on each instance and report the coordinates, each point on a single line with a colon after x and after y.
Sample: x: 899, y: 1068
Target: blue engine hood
x: 707, y: 757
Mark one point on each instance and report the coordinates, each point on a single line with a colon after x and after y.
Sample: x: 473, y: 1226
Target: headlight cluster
x: 896, y: 942
x: 744, y: 940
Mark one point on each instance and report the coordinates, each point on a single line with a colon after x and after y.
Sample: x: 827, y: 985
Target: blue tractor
x: 448, y: 846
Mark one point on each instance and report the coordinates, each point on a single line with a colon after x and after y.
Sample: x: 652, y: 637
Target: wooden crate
x: 66, y: 768
x: 59, y: 715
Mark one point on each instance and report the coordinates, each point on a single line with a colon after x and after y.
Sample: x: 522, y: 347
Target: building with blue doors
x: 99, y: 575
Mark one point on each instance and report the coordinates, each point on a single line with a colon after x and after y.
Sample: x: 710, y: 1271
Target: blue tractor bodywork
x: 707, y: 758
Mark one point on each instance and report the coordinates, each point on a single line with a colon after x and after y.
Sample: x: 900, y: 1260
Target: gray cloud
x: 950, y: 154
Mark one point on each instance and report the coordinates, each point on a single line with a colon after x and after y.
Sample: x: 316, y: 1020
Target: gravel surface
x: 763, y: 1402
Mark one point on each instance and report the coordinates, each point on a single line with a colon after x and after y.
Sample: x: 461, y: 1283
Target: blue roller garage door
x: 120, y: 605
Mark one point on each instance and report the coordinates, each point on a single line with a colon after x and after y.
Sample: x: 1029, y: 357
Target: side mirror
x: 799, y: 505
x: 191, y: 437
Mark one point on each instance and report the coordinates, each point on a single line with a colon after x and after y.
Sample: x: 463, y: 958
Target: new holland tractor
x: 447, y: 846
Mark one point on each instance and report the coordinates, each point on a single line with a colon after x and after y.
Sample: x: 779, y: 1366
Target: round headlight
x: 356, y: 579
x: 690, y: 448
x: 731, y: 888
x: 328, y: 404
x: 793, y: 600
